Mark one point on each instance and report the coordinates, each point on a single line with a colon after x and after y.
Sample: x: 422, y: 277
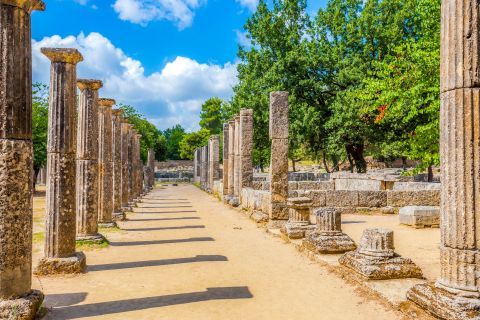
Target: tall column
x: 231, y: 157
x: 117, y: 164
x: 125, y: 167
x: 213, y: 160
x: 278, y: 158
x: 225, y: 159
x: 151, y: 165
x: 456, y: 294
x: 130, y: 163
x: 60, y: 225
x: 195, y: 168
x: 236, y: 164
x: 105, y: 163
x: 246, y: 149
x: 16, y: 160
x: 138, y: 167
x: 87, y: 161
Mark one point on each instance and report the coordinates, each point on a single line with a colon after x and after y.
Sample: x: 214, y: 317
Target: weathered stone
x: 299, y: 218
x: 319, y: 198
x: 125, y: 167
x: 315, y: 185
x: 236, y: 165
x: 279, y: 178
x: 87, y: 204
x: 151, y: 165
x: 279, y: 115
x: 328, y: 236
x: 226, y: 141
x: 375, y: 259
x: 370, y: 199
x: 420, y: 216
x: 246, y: 148
x: 69, y: 265
x: 365, y: 184
x: 231, y: 157
x: 105, y: 162
x: 342, y: 198
x: 413, y: 198
x: 24, y: 307
x: 213, y: 160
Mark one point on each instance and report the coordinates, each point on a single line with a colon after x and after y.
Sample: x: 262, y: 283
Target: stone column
x: 138, y: 168
x: 129, y: 164
x: 105, y: 163
x: 456, y: 294
x: 299, y: 218
x: 246, y: 149
x: 117, y: 164
x: 225, y: 159
x: 231, y: 157
x: 60, y: 225
x: 87, y: 162
x: 279, y: 157
x: 213, y: 160
x: 151, y: 165
x: 195, y: 167
x: 16, y: 161
x: 236, y: 163
x: 125, y: 167
x: 205, y: 157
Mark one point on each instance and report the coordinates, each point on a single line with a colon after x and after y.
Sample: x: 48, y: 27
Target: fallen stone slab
x: 420, y: 216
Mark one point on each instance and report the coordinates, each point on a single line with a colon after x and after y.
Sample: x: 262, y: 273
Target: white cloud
x: 181, y: 12
x: 169, y: 96
x: 242, y: 39
x: 249, y: 4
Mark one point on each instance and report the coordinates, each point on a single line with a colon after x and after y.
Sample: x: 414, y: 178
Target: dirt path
x: 184, y: 255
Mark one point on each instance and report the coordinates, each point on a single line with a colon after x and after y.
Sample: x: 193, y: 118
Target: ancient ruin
x: 16, y: 161
x: 60, y: 254
x: 375, y: 258
x: 117, y: 164
x: 328, y: 236
x: 299, y: 218
x: 213, y: 160
x: 87, y: 162
x: 125, y: 166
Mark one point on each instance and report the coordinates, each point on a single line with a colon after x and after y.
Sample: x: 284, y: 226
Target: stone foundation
x: 108, y: 225
x: 98, y: 238
x: 420, y: 216
x: 444, y: 304
x: 52, y: 266
x: 119, y: 216
x: 23, y: 308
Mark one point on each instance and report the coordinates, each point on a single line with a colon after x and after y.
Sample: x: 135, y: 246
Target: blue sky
x: 165, y: 57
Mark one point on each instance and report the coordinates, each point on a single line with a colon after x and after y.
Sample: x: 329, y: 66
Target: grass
x: 87, y: 245
x: 38, y: 237
x: 110, y: 230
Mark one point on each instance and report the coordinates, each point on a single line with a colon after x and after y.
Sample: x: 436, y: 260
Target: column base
x: 107, y: 225
x: 127, y: 209
x: 276, y: 224
x: 380, y: 268
x: 443, y: 304
x: 296, y: 230
x: 234, y: 201
x: 328, y: 242
x: 259, y: 217
x: 95, y: 239
x: 119, y: 216
x: 71, y: 265
x: 25, y: 307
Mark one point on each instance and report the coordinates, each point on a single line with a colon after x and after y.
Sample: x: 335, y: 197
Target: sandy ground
x: 184, y: 255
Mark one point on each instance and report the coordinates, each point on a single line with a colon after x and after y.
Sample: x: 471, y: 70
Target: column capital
x: 117, y: 112
x: 246, y: 112
x: 27, y: 5
x: 66, y: 55
x: 83, y: 84
x: 105, y: 102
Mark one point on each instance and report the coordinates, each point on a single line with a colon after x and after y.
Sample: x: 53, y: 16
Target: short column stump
x: 71, y: 265
x: 23, y: 308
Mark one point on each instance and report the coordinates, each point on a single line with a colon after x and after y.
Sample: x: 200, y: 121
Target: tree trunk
x: 430, y: 174
x: 293, y: 165
x: 325, y: 164
x: 404, y: 163
x: 355, y: 153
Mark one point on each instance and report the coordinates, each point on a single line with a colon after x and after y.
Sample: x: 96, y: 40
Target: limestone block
x: 413, y: 198
x: 319, y: 198
x: 420, y: 216
x: 77, y: 263
x: 279, y: 115
x: 15, y: 217
x: 359, y: 184
x: 315, y: 185
x: 292, y: 185
x: 414, y: 186
x: 22, y: 308
x: 370, y: 199
x: 341, y: 198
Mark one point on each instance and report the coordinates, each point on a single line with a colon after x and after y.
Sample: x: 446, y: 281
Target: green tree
x: 192, y: 141
x: 39, y: 126
x: 173, y: 138
x: 212, y: 115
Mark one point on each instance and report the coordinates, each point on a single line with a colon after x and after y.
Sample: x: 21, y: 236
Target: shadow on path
x: 111, y: 307
x: 65, y: 299
x: 164, y: 207
x: 155, y: 263
x: 143, y: 243
x: 164, y: 219
x: 166, y: 228
x: 353, y: 222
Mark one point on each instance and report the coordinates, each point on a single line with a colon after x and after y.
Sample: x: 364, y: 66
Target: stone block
x: 22, y: 308
x: 413, y: 198
x: 420, y: 216
x: 71, y: 265
x: 318, y: 198
x: 341, y: 198
x: 414, y: 186
x: 359, y: 184
x: 316, y: 185
x: 279, y: 115
x: 292, y: 185
x: 371, y: 199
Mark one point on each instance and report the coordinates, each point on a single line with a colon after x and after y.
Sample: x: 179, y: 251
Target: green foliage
x: 173, y: 138
x: 192, y: 141
x: 212, y: 115
x: 39, y: 125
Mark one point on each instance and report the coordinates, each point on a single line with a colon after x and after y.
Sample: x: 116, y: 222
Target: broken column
x: 105, y: 163
x: 279, y: 158
x: 246, y: 149
x: 375, y: 258
x: 225, y: 159
x: 117, y: 164
x: 213, y: 160
x: 299, y: 218
x: 456, y: 294
x: 87, y: 162
x: 60, y: 225
x: 125, y: 168
x: 231, y: 159
x: 151, y: 165
x: 17, y: 300
x: 328, y: 236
